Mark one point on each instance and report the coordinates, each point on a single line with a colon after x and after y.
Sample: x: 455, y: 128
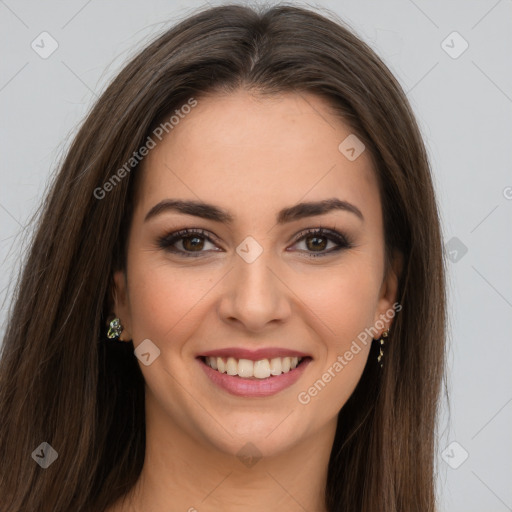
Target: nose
x: 255, y: 295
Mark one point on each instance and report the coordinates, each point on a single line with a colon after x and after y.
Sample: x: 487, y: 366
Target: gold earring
x: 384, y: 335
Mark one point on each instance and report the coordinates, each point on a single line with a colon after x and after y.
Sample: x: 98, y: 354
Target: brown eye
x: 316, y: 241
x: 187, y: 242
x: 192, y: 243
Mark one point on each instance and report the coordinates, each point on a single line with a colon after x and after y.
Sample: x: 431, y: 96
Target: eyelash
x: 167, y: 241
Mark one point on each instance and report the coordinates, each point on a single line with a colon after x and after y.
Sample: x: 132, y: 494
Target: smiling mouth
x: 248, y: 369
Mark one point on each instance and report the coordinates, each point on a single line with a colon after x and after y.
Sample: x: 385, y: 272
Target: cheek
x: 343, y: 299
x: 165, y: 299
x: 343, y: 304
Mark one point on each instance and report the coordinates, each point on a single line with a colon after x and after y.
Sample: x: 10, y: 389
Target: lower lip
x: 254, y: 387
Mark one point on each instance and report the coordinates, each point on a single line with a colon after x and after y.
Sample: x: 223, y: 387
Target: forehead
x: 251, y: 152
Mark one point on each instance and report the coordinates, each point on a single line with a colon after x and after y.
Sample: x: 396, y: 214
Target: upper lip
x: 253, y: 355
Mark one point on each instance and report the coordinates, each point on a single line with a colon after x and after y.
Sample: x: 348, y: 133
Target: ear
x: 388, y: 292
x: 121, y: 303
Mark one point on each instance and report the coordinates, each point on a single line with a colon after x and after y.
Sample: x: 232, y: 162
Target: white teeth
x: 275, y: 366
x: 247, y: 368
x: 232, y: 366
x: 261, y: 369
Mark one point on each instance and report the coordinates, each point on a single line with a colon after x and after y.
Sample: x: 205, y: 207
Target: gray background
x: 463, y: 105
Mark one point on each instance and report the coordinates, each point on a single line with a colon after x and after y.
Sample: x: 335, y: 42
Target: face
x: 254, y: 288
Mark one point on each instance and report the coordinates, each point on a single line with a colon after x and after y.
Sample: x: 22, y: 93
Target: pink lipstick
x: 254, y: 373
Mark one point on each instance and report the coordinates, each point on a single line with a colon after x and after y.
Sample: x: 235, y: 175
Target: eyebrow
x: 290, y: 214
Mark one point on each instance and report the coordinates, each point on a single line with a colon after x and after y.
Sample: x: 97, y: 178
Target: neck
x: 181, y: 473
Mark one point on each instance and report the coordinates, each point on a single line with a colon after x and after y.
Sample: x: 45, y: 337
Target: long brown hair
x: 61, y: 383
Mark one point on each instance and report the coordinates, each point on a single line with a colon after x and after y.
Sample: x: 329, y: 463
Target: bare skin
x: 252, y: 157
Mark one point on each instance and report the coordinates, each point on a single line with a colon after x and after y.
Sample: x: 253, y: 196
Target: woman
x: 235, y: 296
